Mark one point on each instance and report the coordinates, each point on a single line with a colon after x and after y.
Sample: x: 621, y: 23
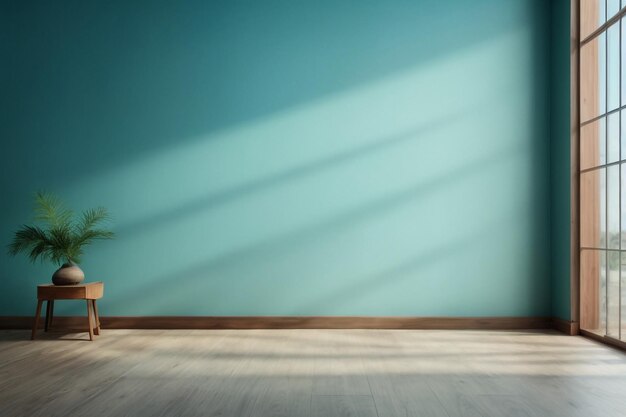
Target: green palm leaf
x: 92, y: 217
x: 31, y: 239
x: 49, y: 209
x: 63, y: 238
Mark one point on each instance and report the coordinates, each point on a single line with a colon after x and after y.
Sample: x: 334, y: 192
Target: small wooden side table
x: 49, y: 293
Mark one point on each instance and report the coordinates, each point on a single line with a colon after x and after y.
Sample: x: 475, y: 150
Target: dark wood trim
x: 568, y: 327
x: 272, y: 322
x: 575, y: 162
x: 333, y: 322
x: 605, y: 340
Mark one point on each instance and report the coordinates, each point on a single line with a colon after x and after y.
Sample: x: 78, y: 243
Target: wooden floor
x: 318, y: 373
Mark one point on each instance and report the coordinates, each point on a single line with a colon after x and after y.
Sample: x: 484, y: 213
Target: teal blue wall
x: 560, y: 158
x: 286, y: 158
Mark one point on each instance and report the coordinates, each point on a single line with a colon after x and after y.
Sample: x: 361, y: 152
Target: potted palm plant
x: 60, y: 238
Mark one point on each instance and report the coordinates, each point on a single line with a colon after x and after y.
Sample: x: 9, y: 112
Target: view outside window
x: 603, y: 167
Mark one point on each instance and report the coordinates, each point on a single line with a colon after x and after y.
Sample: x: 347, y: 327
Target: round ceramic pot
x: 68, y: 274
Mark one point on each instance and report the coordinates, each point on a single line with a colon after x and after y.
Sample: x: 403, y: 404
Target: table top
x: 86, y: 284
x: 86, y: 291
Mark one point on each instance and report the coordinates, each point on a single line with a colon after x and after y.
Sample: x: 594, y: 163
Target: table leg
x: 36, y: 321
x: 90, y: 319
x: 51, y: 314
x: 96, y: 316
x: 48, y: 315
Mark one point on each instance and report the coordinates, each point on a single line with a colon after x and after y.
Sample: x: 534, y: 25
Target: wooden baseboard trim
x: 274, y: 322
x: 568, y: 327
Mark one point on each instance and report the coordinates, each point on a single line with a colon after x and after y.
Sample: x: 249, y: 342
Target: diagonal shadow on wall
x: 214, y: 269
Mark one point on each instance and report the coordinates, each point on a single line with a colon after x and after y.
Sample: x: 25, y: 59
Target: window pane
x: 592, y: 288
x: 623, y: 59
x: 612, y: 7
x: 613, y: 209
x: 592, y: 209
x: 592, y: 15
x: 623, y: 134
x: 613, y: 137
x: 593, y: 143
x: 612, y: 294
x: 623, y: 208
x: 623, y: 295
x: 593, y: 78
x: 613, y: 68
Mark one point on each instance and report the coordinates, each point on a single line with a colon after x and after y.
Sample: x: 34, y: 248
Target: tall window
x: 603, y: 167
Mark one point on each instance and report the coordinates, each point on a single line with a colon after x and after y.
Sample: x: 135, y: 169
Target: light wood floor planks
x: 312, y: 373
